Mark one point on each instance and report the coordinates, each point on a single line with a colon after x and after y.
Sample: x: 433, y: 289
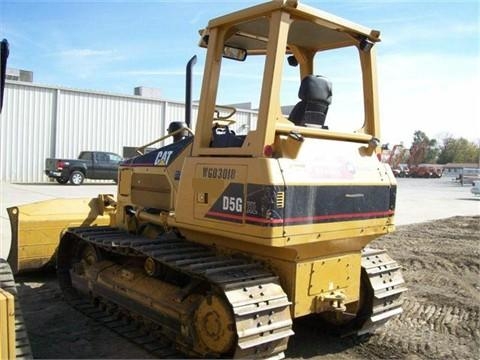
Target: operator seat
x: 222, y: 136
x: 316, y: 95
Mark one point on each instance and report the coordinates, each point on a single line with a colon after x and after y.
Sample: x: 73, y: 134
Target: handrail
x: 141, y: 149
x: 225, y: 107
x: 285, y: 129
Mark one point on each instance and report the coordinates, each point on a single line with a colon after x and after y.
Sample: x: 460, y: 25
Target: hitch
x: 336, y: 300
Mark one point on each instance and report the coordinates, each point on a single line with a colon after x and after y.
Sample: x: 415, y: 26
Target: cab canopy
x: 310, y: 28
x: 281, y: 30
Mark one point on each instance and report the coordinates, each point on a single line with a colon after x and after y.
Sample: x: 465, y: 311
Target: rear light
x: 268, y: 151
x: 61, y: 164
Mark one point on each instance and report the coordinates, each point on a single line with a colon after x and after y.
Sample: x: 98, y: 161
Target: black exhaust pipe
x: 4, y: 51
x: 188, y: 91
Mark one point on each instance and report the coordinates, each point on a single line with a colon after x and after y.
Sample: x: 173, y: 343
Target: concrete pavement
x: 20, y: 194
x: 420, y: 200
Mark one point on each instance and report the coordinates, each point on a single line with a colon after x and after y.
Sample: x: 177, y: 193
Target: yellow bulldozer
x: 224, y: 235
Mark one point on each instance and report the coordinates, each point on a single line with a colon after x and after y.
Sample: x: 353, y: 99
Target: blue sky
x: 428, y: 60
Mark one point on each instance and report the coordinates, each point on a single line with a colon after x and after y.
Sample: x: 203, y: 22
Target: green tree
x: 458, y: 151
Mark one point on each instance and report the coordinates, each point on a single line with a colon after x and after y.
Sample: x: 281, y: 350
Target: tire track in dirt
x: 441, y: 312
x: 430, y: 331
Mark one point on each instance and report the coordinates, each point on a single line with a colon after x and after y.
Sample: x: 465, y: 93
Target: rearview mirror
x: 234, y: 53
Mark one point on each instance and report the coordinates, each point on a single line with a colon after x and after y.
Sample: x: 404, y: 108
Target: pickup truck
x: 90, y: 164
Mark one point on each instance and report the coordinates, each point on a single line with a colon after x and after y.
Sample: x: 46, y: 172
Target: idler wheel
x: 151, y: 267
x: 90, y: 255
x: 214, y: 326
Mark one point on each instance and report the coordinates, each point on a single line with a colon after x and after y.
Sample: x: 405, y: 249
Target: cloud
x: 435, y: 94
x: 465, y: 29
x: 425, y: 30
x: 164, y: 72
x: 85, y: 62
x: 199, y: 16
x: 85, y: 53
x: 78, y: 55
x: 157, y: 72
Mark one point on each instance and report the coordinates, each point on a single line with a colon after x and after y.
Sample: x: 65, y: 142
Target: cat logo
x: 163, y: 157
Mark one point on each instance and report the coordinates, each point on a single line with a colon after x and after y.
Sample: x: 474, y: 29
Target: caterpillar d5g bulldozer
x: 219, y: 239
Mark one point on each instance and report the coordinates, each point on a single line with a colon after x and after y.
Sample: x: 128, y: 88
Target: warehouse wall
x: 25, y: 132
x: 43, y: 121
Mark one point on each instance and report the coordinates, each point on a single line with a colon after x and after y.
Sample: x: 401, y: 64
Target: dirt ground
x: 441, y: 318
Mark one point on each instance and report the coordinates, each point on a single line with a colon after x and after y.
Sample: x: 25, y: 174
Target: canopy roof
x: 249, y: 28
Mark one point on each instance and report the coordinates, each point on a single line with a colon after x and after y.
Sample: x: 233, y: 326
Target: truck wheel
x: 62, y: 180
x: 76, y: 178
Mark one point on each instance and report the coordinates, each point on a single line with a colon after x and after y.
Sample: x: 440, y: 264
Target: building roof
x: 461, y: 165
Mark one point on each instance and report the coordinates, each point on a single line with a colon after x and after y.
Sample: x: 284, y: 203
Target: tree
x: 423, y: 150
x: 459, y: 151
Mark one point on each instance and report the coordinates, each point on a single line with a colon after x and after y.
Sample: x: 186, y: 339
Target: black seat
x: 316, y: 95
x: 222, y: 136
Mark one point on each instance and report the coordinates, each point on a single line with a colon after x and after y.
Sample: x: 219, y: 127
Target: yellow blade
x: 37, y: 228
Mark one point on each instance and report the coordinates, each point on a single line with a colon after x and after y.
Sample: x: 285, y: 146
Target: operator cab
x: 264, y: 40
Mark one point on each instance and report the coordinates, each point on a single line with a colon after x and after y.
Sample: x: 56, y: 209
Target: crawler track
x: 259, y: 306
x: 386, y: 284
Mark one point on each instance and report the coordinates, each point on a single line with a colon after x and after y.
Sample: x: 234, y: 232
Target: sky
x: 428, y: 60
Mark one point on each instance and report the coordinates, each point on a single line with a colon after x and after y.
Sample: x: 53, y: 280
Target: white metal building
x: 39, y: 121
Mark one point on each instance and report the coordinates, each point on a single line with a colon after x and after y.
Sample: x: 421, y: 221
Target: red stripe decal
x: 341, y: 216
x: 305, y: 219
x: 216, y: 214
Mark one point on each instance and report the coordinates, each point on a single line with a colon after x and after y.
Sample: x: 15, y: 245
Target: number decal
x: 232, y: 204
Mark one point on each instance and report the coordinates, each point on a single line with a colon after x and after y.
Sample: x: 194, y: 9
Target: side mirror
x: 234, y: 53
x: 229, y: 52
x: 4, y: 52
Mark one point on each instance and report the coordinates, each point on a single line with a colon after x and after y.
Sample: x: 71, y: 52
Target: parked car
x: 90, y: 164
x: 428, y: 171
x: 469, y: 176
x: 401, y: 171
x: 476, y: 188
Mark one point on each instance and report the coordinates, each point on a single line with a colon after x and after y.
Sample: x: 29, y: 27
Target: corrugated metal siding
x: 244, y: 121
x: 25, y: 132
x: 41, y: 121
x: 107, y: 123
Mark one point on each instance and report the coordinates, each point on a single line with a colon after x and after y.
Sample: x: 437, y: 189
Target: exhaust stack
x: 4, y: 52
x: 188, y: 91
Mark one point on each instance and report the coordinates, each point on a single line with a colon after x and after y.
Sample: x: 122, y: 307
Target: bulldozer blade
x: 37, y: 228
